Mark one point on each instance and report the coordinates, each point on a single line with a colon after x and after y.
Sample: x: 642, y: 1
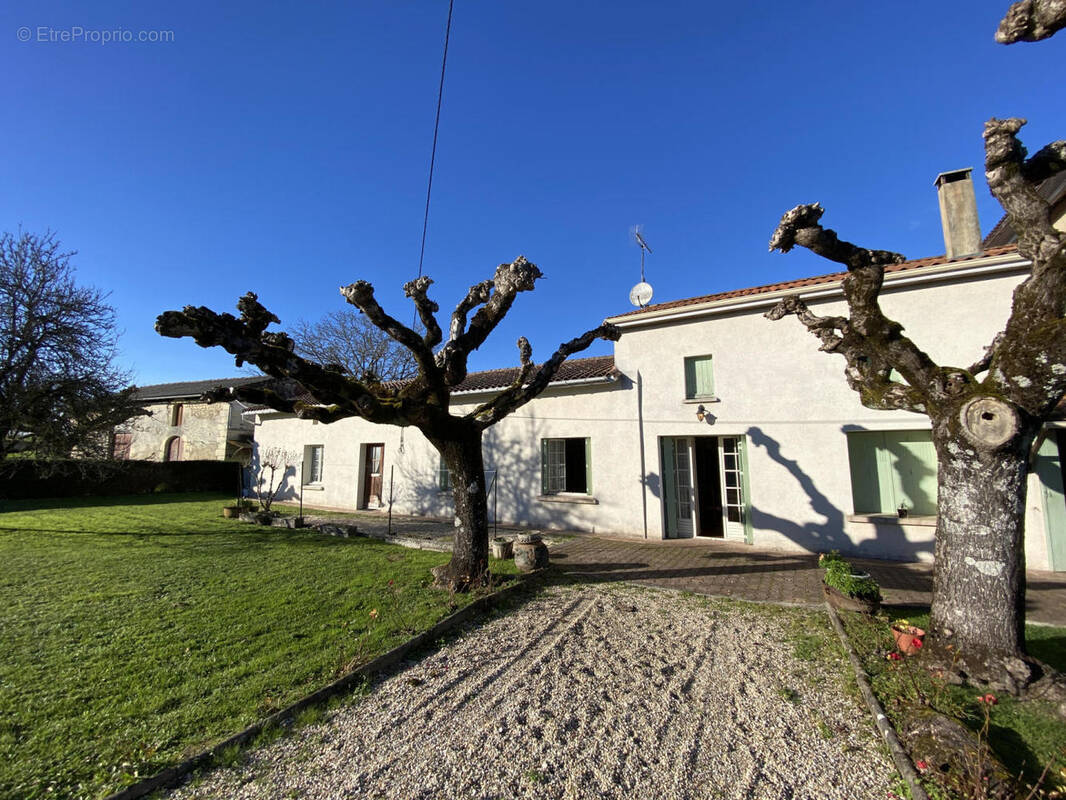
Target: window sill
x: 314, y: 487
x: 893, y: 519
x: 711, y: 398
x: 563, y: 497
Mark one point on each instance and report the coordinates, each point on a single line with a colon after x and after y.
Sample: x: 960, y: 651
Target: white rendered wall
x: 775, y: 388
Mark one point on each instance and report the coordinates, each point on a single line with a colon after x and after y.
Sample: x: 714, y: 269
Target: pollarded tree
x: 985, y: 417
x: 423, y: 401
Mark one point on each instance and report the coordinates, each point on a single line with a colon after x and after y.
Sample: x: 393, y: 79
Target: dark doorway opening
x: 708, y: 487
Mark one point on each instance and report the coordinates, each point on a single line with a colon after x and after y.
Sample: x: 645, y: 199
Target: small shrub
x: 838, y: 575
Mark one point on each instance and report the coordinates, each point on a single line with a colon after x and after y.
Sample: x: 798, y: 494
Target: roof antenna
x: 640, y: 295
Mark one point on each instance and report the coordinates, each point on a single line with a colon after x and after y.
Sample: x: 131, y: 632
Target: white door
x: 731, y: 468
x: 679, y: 495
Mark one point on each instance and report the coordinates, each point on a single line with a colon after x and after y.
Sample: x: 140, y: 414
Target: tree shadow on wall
x: 889, y: 542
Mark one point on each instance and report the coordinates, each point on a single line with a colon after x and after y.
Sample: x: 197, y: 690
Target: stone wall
x: 204, y: 431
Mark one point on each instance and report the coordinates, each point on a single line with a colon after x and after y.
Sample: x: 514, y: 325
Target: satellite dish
x: 640, y: 295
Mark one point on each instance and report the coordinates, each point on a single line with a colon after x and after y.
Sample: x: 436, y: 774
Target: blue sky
x: 284, y: 149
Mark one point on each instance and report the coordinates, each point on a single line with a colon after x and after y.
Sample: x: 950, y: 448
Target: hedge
x: 30, y: 478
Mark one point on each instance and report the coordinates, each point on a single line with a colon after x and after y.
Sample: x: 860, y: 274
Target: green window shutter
x: 699, y: 377
x: 669, y: 490
x: 1049, y: 471
x: 893, y: 467
x: 912, y: 464
x: 690, y: 378
x: 865, y: 475
x: 704, y: 377
x: 543, y: 466
x: 588, y: 466
x: 444, y: 482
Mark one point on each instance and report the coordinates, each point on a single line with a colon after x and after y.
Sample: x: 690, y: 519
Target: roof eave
x: 990, y: 264
x: 604, y: 379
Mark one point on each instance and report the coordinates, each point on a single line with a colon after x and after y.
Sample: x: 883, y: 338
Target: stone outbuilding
x: 180, y: 426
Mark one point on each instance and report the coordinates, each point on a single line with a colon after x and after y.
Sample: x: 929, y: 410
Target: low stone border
x: 895, y: 749
x: 335, y: 529
x: 174, y: 775
x: 440, y: 546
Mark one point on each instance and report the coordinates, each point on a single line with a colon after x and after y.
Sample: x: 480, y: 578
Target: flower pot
x: 231, y: 512
x: 909, y: 639
x: 530, y: 553
x: 844, y: 602
x: 502, y: 548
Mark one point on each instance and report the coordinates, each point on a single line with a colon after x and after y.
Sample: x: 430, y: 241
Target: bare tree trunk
x: 978, y: 611
x: 469, y: 566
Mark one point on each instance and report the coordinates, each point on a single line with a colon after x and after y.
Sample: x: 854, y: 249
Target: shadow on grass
x: 1014, y: 752
x: 163, y: 498
x: 1047, y: 644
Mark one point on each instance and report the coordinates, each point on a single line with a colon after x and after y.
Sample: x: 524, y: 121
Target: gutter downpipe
x: 640, y: 439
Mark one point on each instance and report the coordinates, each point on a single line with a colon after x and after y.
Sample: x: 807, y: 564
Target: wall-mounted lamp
x: 703, y: 415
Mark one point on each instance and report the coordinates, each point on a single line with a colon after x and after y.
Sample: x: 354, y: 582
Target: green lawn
x: 139, y: 630
x: 1025, y: 735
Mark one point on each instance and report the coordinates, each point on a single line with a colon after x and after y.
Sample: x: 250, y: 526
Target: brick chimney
x: 958, y: 213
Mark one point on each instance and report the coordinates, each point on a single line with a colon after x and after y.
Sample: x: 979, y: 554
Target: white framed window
x: 893, y: 469
x: 699, y: 378
x: 566, y: 466
x: 313, y: 458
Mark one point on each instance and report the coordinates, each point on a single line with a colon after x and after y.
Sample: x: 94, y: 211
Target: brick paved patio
x: 734, y: 570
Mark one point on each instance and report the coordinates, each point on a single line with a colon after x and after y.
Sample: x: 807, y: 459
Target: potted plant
x: 235, y: 510
x: 846, y: 589
x: 909, y: 638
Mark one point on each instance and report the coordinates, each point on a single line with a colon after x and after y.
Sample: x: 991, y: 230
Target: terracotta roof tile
x: 804, y: 283
x: 571, y: 370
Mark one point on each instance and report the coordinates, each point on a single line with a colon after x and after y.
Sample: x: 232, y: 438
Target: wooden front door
x: 372, y: 468
x: 174, y: 450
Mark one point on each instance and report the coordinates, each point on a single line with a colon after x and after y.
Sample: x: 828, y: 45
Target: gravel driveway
x: 592, y: 692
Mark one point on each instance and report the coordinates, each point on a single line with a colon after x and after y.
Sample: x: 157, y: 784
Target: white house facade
x: 712, y: 421
x: 709, y: 421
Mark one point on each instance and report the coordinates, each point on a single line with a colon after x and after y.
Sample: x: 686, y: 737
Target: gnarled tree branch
x: 882, y: 339
x: 1029, y: 363
x: 416, y: 290
x: 277, y: 401
x: 866, y: 372
x: 1049, y: 161
x: 247, y: 339
x: 1031, y: 21
x: 510, y: 279
x: 1027, y: 211
x: 361, y: 295
x: 518, y: 394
